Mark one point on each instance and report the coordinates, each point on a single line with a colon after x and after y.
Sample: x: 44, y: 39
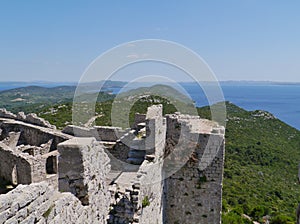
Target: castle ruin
x: 165, y: 169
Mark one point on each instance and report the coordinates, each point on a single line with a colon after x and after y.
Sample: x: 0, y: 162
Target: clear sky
x: 55, y: 40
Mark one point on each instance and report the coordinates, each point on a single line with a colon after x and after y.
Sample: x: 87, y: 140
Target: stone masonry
x: 166, y: 169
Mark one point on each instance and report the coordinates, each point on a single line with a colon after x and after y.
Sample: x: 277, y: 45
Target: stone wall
x: 22, y: 168
x: 201, y: 192
x: 83, y: 167
x: 101, y: 133
x: 15, y: 168
x: 27, y: 204
x: 28, y: 152
x: 155, y: 131
x: 31, y: 134
x: 151, y: 193
x: 29, y: 118
x: 110, y: 134
x: 194, y: 192
x: 137, y: 197
x: 41, y: 203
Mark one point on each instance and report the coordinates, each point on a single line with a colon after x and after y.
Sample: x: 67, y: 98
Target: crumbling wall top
x: 29, y: 118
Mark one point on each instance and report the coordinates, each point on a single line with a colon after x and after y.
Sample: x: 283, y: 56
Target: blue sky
x: 240, y: 40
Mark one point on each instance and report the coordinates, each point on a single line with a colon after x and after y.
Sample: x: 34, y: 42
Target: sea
x: 282, y: 100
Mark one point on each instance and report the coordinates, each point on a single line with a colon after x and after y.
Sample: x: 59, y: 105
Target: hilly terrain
x: 30, y: 95
x: 35, y: 98
x: 261, y: 159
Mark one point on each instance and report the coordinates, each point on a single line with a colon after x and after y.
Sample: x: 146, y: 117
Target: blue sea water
x: 283, y: 101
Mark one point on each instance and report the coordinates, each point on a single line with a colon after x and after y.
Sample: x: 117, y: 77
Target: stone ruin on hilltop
x: 164, y: 170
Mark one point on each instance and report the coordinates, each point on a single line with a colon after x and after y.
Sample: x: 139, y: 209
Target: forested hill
x: 35, y: 98
x: 261, y: 167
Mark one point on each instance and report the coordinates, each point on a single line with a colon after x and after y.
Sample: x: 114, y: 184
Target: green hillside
x: 261, y: 167
x: 35, y: 98
x: 261, y: 160
x: 32, y: 95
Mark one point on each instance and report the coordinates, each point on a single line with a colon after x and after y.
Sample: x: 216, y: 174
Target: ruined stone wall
x: 27, y: 153
x: 20, y: 168
x: 155, y: 131
x: 138, y: 193
x: 110, y: 134
x: 150, y: 174
x: 31, y: 134
x: 83, y: 167
x: 199, y: 200
x: 78, y: 131
x: 27, y: 203
x: 137, y: 197
x: 41, y: 203
x: 29, y: 118
x: 194, y: 192
x: 101, y: 133
x: 151, y: 193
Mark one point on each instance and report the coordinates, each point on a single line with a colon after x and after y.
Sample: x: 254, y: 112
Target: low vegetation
x: 261, y: 167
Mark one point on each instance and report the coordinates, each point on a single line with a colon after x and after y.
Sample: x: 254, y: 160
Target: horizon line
x: 181, y: 81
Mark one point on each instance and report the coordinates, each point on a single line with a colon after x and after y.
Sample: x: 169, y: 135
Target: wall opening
x: 51, y: 165
x: 14, y: 176
x: 29, y: 151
